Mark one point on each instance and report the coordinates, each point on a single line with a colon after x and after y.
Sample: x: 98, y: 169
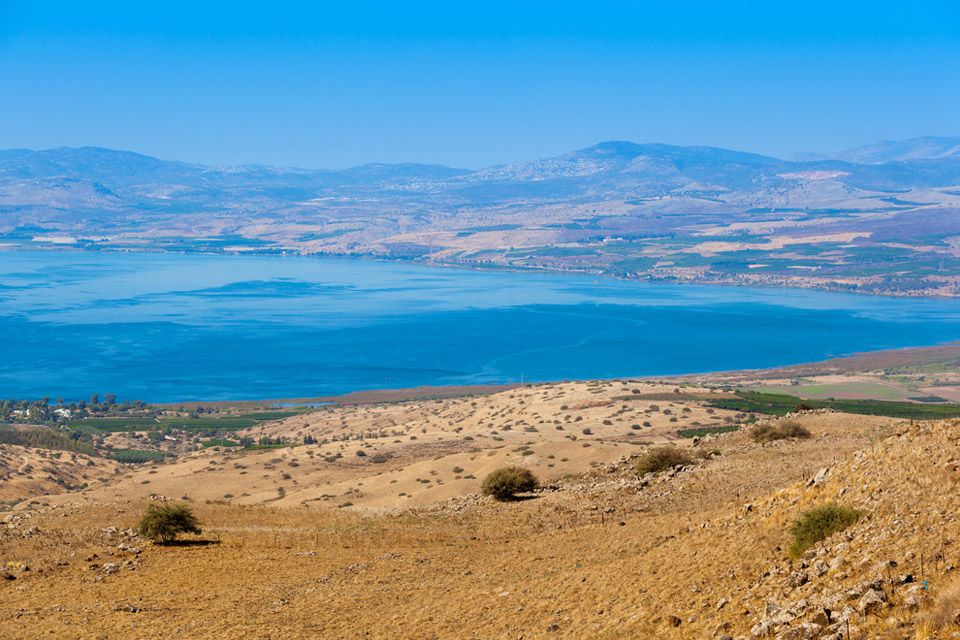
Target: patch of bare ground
x: 694, y: 552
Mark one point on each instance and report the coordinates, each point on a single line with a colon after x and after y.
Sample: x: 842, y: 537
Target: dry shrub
x: 506, y: 482
x: 945, y: 611
x: 781, y: 430
x: 662, y: 458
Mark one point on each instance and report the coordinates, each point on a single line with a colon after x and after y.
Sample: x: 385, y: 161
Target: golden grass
x: 601, y: 561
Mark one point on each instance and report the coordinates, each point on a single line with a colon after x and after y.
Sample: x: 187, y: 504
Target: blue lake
x: 169, y: 327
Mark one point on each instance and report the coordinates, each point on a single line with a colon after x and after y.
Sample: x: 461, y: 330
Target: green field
x: 114, y: 424
x: 135, y: 456
x: 220, y: 442
x: 206, y: 424
x: 865, y: 389
x: 781, y: 404
x: 699, y: 432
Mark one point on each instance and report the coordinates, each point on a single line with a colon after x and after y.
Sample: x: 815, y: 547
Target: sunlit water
x: 168, y: 327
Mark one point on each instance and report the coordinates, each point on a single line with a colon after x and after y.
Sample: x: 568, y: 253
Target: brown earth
x: 697, y: 552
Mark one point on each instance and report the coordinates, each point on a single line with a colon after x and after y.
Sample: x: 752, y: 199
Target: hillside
x: 880, y: 219
x: 696, y: 552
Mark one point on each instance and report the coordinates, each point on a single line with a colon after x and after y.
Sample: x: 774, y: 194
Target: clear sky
x: 463, y: 83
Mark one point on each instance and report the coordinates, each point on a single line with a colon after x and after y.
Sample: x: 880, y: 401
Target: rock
x: 760, y: 630
x: 110, y: 568
x: 870, y: 601
x: 771, y: 610
x: 820, y: 568
x: 837, y: 562
x: 7, y: 575
x: 833, y: 601
x: 551, y: 628
x: 849, y: 614
x: 722, y: 603
x: 806, y: 631
x: 797, y: 578
x: 818, y: 479
x: 913, y: 602
x: 856, y: 592
x: 821, y: 618
x: 722, y: 628
x: 674, y: 621
x: 798, y: 608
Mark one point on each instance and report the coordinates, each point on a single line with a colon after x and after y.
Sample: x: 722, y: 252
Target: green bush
x: 662, y: 458
x: 505, y: 483
x: 817, y: 523
x: 780, y: 430
x: 162, y: 522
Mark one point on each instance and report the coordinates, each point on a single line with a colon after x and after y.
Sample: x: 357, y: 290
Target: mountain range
x: 616, y: 207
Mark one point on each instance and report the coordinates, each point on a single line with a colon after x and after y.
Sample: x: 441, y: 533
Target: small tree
x: 506, y: 482
x: 161, y: 523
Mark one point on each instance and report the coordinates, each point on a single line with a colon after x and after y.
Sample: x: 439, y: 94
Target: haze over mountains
x: 621, y: 166
x: 634, y: 210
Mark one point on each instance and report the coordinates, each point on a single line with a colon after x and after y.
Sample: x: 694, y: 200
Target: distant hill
x: 925, y: 148
x: 634, y: 210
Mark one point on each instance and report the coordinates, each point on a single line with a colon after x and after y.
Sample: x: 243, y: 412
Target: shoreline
x: 642, y: 276
x: 849, y: 364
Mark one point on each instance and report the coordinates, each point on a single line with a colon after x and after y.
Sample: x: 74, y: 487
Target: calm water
x: 163, y: 327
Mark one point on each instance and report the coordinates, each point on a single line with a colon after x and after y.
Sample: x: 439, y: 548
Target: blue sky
x: 331, y: 85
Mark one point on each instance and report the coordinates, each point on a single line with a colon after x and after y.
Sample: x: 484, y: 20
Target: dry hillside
x: 696, y: 552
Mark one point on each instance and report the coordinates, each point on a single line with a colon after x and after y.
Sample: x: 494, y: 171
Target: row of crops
x: 229, y: 423
x: 780, y: 404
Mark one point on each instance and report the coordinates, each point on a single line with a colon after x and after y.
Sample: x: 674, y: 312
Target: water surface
x: 170, y: 327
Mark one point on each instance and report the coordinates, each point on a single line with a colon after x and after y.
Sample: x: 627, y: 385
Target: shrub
x: 781, y: 430
x: 662, y: 458
x: 818, y: 523
x: 504, y: 483
x: 161, y: 523
x: 803, y: 406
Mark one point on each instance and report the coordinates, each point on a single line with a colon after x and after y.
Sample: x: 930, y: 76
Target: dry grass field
x: 696, y: 552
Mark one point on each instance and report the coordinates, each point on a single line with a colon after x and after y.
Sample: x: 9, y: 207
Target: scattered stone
x: 870, y: 601
x: 797, y: 578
